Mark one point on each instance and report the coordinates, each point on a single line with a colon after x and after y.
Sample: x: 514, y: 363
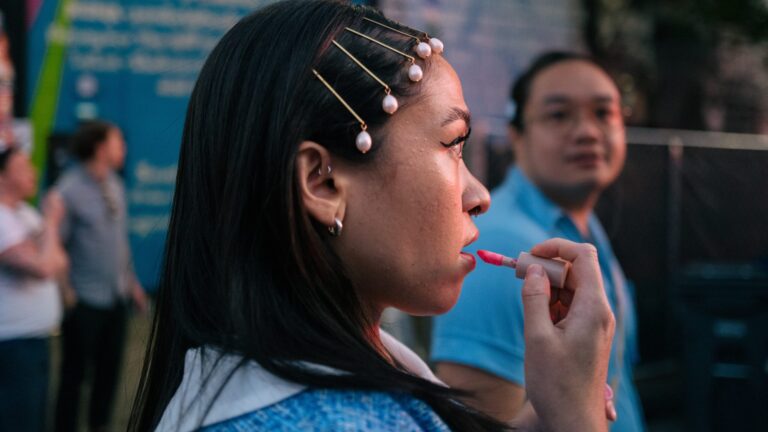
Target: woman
x: 293, y: 228
x: 30, y: 257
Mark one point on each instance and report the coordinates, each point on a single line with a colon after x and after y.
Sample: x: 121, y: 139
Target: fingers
x: 610, y: 408
x: 565, y: 296
x: 584, y: 297
x: 536, y: 313
x: 557, y: 312
x: 53, y: 196
x: 585, y: 271
x: 562, y: 248
x: 559, y: 302
x: 53, y: 203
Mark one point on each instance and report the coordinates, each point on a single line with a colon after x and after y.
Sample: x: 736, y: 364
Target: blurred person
x: 31, y: 255
x: 569, y: 142
x: 294, y: 225
x: 101, y: 282
x: 7, y: 77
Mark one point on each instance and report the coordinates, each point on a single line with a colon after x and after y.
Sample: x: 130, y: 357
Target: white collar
x: 201, y: 400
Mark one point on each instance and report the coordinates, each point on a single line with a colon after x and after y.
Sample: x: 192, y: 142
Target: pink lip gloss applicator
x: 556, y: 269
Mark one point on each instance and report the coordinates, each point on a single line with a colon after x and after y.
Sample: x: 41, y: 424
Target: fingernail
x: 535, y: 270
x: 608, y: 392
x: 612, y: 411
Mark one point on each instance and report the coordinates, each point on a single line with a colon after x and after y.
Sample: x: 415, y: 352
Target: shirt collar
x: 532, y: 201
x: 217, y: 386
x: 538, y: 206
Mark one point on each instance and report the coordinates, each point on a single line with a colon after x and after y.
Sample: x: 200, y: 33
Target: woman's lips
x: 469, y: 259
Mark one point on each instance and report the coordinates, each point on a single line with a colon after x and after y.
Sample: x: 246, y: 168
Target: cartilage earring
x: 320, y: 170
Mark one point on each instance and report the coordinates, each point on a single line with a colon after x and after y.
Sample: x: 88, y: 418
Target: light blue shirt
x: 485, y: 328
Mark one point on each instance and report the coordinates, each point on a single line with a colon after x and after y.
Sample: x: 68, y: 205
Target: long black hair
x: 246, y: 270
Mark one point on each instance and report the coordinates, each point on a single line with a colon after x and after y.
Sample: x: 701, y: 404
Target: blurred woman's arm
x: 44, y: 257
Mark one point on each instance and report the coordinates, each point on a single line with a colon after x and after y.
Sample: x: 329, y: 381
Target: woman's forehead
x: 443, y: 96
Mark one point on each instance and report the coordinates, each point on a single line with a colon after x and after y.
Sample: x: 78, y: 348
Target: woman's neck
x: 9, y: 199
x: 373, y: 333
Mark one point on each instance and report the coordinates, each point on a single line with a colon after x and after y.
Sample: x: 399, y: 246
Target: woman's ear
x: 322, y: 190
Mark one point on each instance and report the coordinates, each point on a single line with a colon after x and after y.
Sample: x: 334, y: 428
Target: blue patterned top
x: 338, y: 410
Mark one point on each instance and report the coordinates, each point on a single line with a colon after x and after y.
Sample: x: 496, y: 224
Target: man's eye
x: 603, y: 113
x: 557, y: 116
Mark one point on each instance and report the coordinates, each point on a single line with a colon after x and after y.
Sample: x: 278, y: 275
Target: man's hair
x: 521, y: 89
x: 88, y: 137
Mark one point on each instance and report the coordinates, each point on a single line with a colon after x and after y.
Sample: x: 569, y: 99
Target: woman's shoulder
x: 339, y: 410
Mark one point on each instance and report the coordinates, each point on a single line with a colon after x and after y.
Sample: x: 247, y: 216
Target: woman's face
x: 19, y: 176
x: 407, y: 216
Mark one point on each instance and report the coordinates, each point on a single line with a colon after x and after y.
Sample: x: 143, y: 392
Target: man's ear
x: 514, y: 136
x: 321, y: 184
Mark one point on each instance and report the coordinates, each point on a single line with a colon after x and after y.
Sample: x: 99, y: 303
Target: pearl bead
x: 389, y: 104
x: 364, y: 142
x: 423, y: 50
x: 415, y: 73
x: 437, y: 45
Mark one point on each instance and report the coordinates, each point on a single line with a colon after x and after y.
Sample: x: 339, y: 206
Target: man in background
x: 569, y: 141
x: 101, y: 282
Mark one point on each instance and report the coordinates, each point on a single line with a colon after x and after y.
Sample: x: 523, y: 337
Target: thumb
x: 536, y: 292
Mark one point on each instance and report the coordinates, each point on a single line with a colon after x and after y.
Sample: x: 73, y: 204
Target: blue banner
x: 134, y: 63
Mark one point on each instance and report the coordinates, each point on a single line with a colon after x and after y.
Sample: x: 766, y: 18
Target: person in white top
x: 31, y: 256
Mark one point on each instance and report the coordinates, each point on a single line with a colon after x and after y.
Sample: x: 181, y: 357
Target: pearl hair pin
x: 414, y: 71
x: 363, y: 142
x: 389, y: 103
x: 423, y: 49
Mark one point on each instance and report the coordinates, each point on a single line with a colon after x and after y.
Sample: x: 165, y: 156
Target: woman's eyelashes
x: 457, y: 145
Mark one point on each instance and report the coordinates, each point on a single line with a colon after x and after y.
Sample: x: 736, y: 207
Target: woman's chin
x: 437, y: 304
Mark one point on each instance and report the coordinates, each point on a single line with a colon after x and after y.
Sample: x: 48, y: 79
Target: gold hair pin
x: 389, y: 103
x: 423, y: 49
x: 363, y: 142
x: 414, y: 71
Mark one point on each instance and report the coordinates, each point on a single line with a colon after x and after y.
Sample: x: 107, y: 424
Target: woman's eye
x: 458, y: 149
x: 457, y: 145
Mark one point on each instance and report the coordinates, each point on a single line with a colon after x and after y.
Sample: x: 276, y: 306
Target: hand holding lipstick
x: 566, y: 363
x: 556, y: 271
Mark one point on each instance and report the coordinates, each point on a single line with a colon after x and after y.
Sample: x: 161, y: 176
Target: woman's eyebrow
x: 457, y: 114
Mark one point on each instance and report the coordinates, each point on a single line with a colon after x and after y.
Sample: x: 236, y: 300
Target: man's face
x: 573, y: 140
x: 114, y: 147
